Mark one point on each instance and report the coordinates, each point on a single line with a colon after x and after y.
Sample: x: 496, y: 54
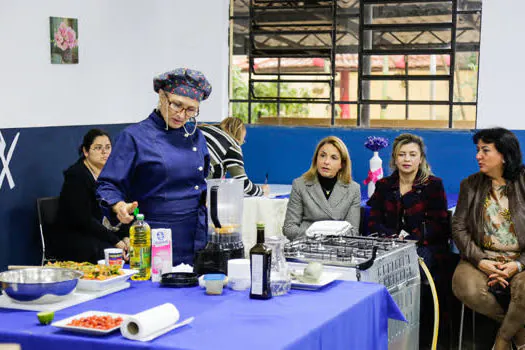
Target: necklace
x: 499, y: 191
x: 91, y: 170
x: 327, y: 192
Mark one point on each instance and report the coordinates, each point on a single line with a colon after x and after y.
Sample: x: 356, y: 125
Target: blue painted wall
x: 284, y: 152
x: 40, y: 156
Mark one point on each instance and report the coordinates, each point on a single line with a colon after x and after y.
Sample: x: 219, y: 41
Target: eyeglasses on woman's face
x: 178, y: 107
x: 101, y: 148
x: 190, y: 112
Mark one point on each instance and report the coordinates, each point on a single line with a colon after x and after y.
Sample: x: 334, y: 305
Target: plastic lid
x: 136, y: 211
x: 214, y: 277
x: 179, y: 279
x: 140, y: 216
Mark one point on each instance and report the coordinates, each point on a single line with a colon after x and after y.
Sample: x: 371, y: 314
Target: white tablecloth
x: 270, y: 211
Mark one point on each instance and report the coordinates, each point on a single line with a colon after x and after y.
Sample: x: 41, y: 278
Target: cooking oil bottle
x: 140, y: 249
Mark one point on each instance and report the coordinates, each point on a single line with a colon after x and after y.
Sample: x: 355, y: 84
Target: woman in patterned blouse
x: 489, y: 230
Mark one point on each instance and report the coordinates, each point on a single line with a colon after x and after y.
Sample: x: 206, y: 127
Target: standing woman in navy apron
x: 161, y: 164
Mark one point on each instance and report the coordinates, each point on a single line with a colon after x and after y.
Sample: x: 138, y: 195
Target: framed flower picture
x: 63, y: 34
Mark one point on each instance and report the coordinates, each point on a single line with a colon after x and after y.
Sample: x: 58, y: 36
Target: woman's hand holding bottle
x: 124, y: 211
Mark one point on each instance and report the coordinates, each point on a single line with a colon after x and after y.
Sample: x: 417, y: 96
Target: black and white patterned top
x: 226, y: 156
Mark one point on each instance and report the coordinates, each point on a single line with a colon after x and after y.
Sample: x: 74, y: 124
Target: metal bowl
x: 40, y: 285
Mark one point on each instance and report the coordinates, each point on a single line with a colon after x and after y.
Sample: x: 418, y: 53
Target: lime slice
x: 45, y: 317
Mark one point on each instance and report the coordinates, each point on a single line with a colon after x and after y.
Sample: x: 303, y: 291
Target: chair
x: 47, y: 220
x: 461, y: 328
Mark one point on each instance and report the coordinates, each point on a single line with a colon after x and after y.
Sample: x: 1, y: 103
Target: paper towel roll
x: 149, y: 322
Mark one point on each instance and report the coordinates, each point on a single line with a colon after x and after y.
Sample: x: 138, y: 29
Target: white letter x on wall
x: 6, y: 158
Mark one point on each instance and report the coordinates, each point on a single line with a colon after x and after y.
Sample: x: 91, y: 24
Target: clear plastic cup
x: 214, y: 283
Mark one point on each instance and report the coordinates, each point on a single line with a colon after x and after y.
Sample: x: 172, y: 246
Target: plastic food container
x: 179, y: 279
x: 214, y: 283
x: 114, y: 256
x: 239, y: 274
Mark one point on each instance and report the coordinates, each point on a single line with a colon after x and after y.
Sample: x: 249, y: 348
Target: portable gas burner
x: 381, y: 260
x: 391, y: 262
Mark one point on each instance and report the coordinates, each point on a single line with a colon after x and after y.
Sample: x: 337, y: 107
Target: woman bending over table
x: 161, y: 164
x: 224, y: 143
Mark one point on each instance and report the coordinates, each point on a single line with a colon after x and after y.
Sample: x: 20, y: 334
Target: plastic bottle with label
x: 140, y: 249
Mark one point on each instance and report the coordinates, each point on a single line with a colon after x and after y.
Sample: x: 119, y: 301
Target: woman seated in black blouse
x: 83, y: 232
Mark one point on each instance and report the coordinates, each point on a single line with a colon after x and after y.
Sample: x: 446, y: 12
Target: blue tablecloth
x: 344, y: 315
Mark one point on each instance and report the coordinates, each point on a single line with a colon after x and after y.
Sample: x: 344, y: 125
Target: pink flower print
x: 73, y: 44
x: 71, y: 38
x: 70, y: 33
x: 62, y: 45
x: 58, y: 38
x: 65, y: 37
x: 62, y: 27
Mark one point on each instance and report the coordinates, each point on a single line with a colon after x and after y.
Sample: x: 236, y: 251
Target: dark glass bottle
x: 260, y: 267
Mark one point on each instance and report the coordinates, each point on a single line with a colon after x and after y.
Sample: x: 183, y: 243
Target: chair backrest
x: 47, y: 208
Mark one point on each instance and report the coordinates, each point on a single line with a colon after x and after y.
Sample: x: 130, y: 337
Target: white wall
x: 502, y: 72
x: 123, y: 44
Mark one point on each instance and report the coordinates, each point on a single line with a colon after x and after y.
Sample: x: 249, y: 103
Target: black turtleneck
x: 327, y: 184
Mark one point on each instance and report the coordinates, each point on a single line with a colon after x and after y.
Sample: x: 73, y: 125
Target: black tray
x: 179, y: 279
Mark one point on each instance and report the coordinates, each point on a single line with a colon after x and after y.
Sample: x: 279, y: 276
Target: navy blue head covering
x: 184, y: 82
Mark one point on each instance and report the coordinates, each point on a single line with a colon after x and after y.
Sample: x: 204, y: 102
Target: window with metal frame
x: 369, y: 63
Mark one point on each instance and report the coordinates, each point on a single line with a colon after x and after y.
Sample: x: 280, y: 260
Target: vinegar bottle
x: 260, y: 266
x: 140, y: 249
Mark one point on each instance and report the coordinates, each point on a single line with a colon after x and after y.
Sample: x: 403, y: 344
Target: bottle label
x: 140, y: 258
x: 257, y: 274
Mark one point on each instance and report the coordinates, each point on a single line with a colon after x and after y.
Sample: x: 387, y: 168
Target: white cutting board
x: 75, y: 298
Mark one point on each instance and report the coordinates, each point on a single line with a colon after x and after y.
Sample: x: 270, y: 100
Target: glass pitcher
x: 280, y: 279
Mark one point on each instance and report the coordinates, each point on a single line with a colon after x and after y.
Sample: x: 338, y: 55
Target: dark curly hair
x: 508, y: 145
x: 89, y: 138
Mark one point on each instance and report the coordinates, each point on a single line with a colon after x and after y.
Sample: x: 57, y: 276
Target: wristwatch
x: 520, y: 265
